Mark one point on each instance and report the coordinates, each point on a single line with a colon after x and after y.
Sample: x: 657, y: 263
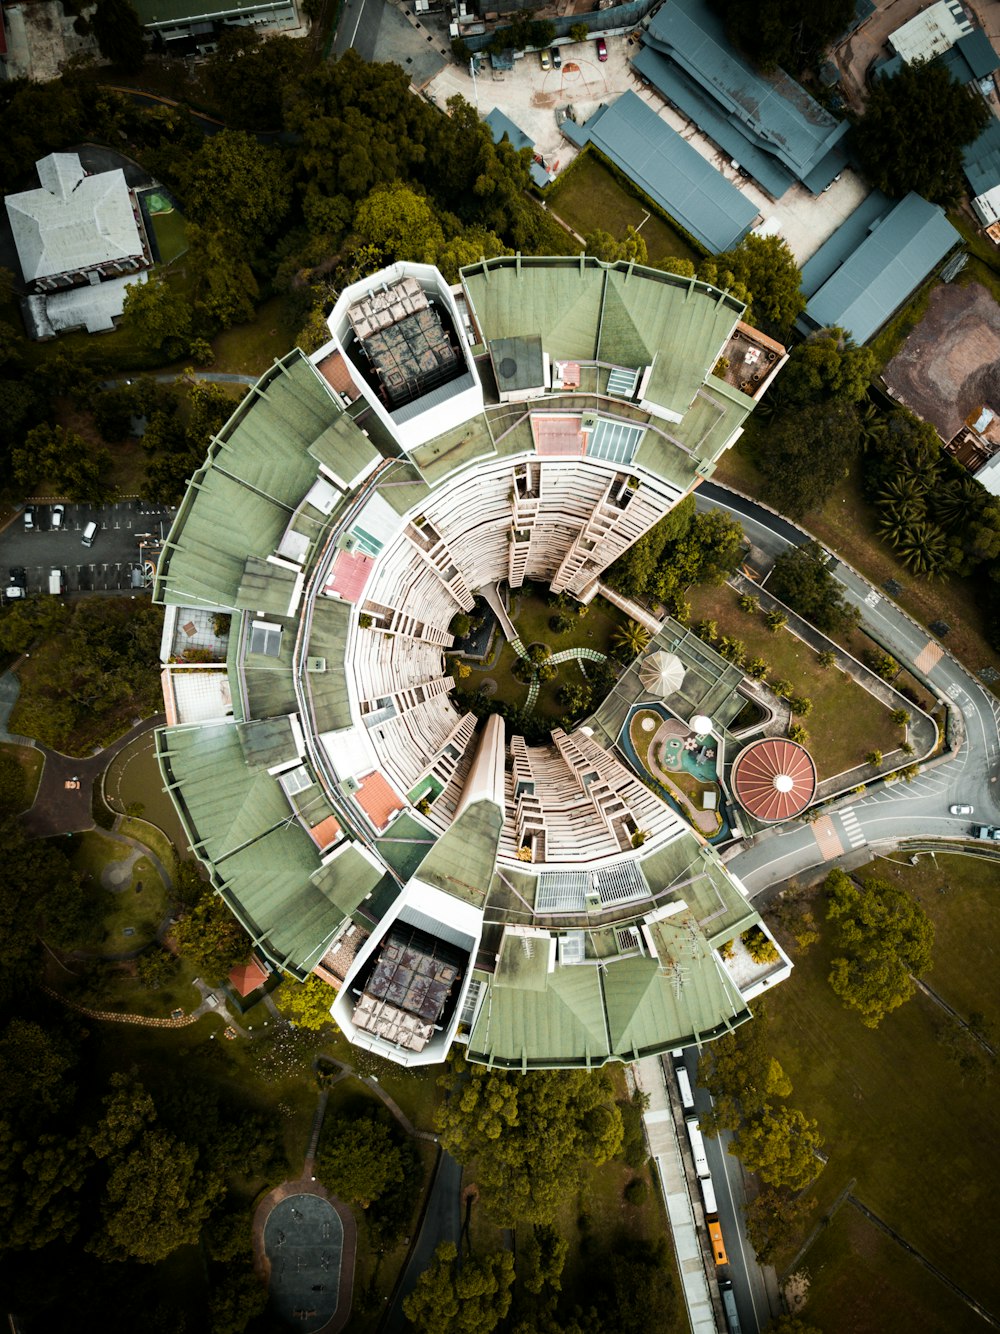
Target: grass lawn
x: 249, y: 349
x: 139, y: 906
x: 154, y: 839
x: 32, y: 762
x: 171, y: 235
x: 845, y: 723
x: 133, y: 778
x: 589, y: 196
x: 898, y: 1117
x: 846, y: 524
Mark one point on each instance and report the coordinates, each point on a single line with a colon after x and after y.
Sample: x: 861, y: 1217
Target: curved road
x: 893, y: 811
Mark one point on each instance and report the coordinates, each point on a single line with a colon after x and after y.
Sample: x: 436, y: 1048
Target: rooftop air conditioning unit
x: 592, y: 901
x: 315, y: 664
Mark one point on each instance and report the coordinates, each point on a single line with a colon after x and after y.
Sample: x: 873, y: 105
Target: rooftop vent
x: 315, y: 664
x: 265, y: 638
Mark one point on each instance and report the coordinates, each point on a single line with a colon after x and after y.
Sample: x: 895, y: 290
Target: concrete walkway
x: 491, y: 595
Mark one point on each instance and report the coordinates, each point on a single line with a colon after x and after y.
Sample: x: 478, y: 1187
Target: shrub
x: 798, y: 733
x: 639, y: 837
x: 749, y: 603
x: 800, y: 705
x: 524, y: 854
x: 707, y: 630
x: 760, y: 948
x: 560, y: 623
x: 901, y: 717
x: 547, y: 672
x: 827, y: 658
x: 781, y: 688
x: 463, y: 671
x: 539, y: 653
x: 881, y: 663
x: 874, y: 758
x: 365, y: 621
x: 758, y: 668
x: 636, y: 1191
x: 221, y: 623
x: 726, y: 950
x: 775, y: 621
x: 461, y: 624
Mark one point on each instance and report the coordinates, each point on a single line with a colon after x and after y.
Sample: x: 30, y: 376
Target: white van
x: 89, y: 533
x: 57, y: 584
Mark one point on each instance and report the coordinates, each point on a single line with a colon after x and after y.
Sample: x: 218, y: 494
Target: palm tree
x: 630, y: 639
x: 922, y: 548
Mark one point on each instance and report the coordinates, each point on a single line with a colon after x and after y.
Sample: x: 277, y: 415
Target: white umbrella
x: 662, y: 673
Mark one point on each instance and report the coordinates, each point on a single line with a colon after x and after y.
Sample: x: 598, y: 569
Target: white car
x: 58, y: 516
x: 960, y: 810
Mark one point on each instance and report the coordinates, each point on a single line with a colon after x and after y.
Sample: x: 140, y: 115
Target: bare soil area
x: 949, y: 367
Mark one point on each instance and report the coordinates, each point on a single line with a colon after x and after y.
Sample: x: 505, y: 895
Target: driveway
x: 442, y: 1221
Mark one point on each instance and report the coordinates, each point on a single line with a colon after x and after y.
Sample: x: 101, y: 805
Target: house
x: 669, y: 171
x: 873, y: 263
x: 768, y: 124
x: 80, y: 240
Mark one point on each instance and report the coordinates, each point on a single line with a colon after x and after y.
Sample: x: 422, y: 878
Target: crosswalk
x: 852, y: 827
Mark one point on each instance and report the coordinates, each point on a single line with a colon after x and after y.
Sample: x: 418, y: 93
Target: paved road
x: 888, y: 812
x: 442, y: 1221
x: 105, y: 567
x: 746, y: 1274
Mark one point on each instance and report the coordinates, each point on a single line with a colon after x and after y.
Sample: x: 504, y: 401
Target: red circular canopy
x: 774, y: 779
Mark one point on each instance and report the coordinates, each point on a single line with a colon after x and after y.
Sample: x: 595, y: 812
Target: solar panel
x: 572, y: 947
x: 623, y: 883
x: 561, y: 891
x: 295, y: 780
x: 265, y: 638
x: 616, y: 442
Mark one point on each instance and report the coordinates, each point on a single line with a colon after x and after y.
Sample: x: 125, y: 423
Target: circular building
x: 774, y: 779
x: 529, y: 423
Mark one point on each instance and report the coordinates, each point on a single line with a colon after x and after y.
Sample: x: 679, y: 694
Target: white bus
x: 697, y: 1147
x: 708, y: 1195
x: 684, y: 1084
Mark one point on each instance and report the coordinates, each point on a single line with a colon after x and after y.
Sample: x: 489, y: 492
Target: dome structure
x: 701, y: 724
x: 352, y: 810
x: 774, y: 779
x: 662, y: 673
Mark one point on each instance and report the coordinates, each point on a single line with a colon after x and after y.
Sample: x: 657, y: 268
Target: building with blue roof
x: 501, y: 125
x: 767, y: 123
x: 667, y: 169
x: 873, y: 263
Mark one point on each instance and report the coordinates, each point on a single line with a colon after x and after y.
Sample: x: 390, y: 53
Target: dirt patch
x: 949, y: 366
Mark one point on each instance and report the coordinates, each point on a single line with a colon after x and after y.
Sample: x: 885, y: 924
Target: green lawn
x: 32, y: 762
x: 171, y: 235
x: 589, y: 196
x: 140, y: 906
x: 154, y: 839
x: 845, y: 723
x: 249, y: 349
x: 898, y: 1117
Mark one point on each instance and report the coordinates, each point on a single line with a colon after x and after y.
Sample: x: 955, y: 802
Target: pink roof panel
x: 774, y: 779
x: 350, y: 574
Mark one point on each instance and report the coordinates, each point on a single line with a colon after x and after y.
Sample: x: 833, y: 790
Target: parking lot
x: 104, y: 567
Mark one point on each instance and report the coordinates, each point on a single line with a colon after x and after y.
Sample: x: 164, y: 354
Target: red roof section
x: 325, y: 832
x: 247, y: 977
x: 350, y: 574
x: 377, y: 799
x: 774, y: 779
x: 558, y: 435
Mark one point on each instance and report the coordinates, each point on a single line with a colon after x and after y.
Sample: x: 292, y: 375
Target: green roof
x: 265, y: 587
x: 523, y: 962
x: 562, y: 1025
x: 348, y: 879
x: 623, y: 314
x: 269, y: 681
x: 270, y: 886
x: 267, y: 742
x: 328, y: 639
x: 464, y: 858
x: 404, y: 845
x: 222, y: 803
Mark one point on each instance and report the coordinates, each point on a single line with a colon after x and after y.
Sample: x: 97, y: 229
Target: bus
x: 697, y: 1147
x: 684, y: 1084
x: 729, y: 1306
x: 718, y: 1245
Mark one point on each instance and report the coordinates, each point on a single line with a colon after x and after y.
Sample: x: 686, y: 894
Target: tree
x: 828, y: 364
x: 530, y: 1135
x: 741, y: 1075
x: 237, y: 1296
x: 159, y: 315
x: 804, y: 453
x: 238, y: 188
x: 633, y: 572
x: 119, y: 33
x: 800, y: 578
x: 41, y: 1177
x: 914, y: 128
x: 398, y: 223
x: 36, y: 1062
x: 766, y: 267
x: 359, y: 1160
x: 307, y: 1003
x: 471, y: 1298
x: 602, y: 245
x: 155, y: 1200
x: 71, y: 466
x: 774, y: 1220
x: 211, y: 938
x: 783, y: 32
x: 630, y: 1282
x: 542, y: 1258
x: 881, y: 937
x: 781, y: 1146
x: 629, y: 639
x: 250, y: 76
x: 128, y: 1112
x: 223, y: 286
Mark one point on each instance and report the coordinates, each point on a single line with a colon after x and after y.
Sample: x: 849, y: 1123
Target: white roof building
x: 931, y: 32
x: 74, y: 221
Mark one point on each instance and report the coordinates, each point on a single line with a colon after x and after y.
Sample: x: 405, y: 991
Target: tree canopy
x: 468, y: 1298
x: 766, y: 268
x: 881, y: 937
x: 827, y: 364
x: 784, y: 32
x: 804, y: 453
x: 914, y: 128
x: 211, y: 938
x: 780, y: 1145
x: 800, y: 578
x: 528, y: 1135
x: 359, y: 1159
x: 119, y: 33
x: 307, y: 1003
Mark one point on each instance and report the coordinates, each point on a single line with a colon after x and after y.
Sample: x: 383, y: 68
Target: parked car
x: 545, y: 60
x: 556, y: 58
x: 960, y: 810
x: 986, y: 831
x: 17, y: 585
x: 602, y: 49
x: 29, y: 518
x: 58, y: 517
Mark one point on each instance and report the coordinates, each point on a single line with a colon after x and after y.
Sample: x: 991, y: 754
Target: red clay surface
x: 774, y: 779
x: 949, y: 366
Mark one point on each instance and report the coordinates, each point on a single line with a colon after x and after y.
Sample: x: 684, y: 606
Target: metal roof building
x: 931, y: 32
x: 767, y: 123
x: 667, y: 169
x: 873, y: 263
x: 501, y: 125
x: 453, y: 883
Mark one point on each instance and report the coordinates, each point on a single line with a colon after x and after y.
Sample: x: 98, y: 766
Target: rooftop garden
x: 565, y: 666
